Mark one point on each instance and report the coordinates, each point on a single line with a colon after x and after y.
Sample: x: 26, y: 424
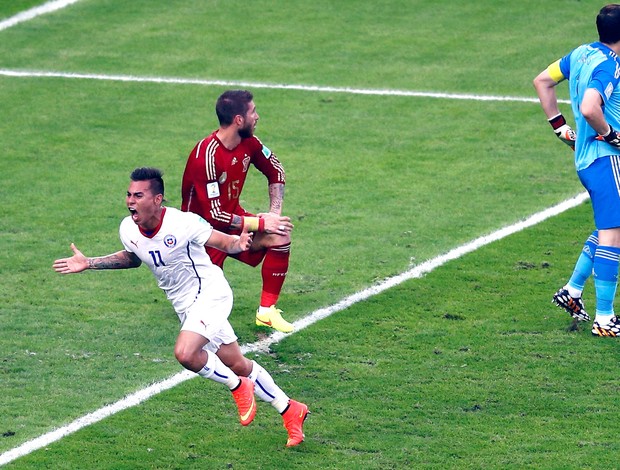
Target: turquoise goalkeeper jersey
x: 593, y: 66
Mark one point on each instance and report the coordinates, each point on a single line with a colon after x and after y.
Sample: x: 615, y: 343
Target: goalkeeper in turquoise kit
x: 593, y: 74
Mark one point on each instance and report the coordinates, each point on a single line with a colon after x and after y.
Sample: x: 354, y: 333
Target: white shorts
x: 208, y: 317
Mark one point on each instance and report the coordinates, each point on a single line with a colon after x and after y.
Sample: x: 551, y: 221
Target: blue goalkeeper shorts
x: 602, y: 181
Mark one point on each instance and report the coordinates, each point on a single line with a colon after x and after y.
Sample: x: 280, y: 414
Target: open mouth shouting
x: 134, y: 214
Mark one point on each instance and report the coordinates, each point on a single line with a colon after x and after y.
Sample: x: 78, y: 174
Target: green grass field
x: 467, y: 367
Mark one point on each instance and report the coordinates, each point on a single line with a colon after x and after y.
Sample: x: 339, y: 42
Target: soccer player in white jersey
x: 593, y: 74
x: 172, y: 244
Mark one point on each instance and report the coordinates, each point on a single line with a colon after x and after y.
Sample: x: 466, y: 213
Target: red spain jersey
x: 214, y: 177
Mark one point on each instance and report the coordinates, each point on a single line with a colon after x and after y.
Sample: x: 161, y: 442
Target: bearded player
x: 214, y: 176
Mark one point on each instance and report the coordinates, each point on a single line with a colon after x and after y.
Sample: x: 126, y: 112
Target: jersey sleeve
x: 199, y: 230
x: 555, y: 71
x: 560, y: 69
x: 123, y: 233
x: 605, y: 79
x: 200, y: 191
x: 267, y: 163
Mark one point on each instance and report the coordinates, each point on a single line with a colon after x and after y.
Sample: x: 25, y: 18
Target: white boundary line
x: 274, y: 86
x: 413, y: 273
x: 47, y: 7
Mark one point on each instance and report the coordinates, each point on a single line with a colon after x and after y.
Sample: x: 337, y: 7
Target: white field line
x: 263, y: 345
x: 26, y: 15
x: 274, y: 86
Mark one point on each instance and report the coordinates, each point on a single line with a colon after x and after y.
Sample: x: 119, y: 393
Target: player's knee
x: 241, y: 366
x: 283, y: 240
x: 184, y: 355
x: 273, y: 241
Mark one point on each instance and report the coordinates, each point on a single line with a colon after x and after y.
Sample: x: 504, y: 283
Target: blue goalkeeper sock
x: 583, y: 267
x: 605, y: 281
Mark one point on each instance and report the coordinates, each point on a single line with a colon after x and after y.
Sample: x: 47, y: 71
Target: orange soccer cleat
x: 294, y: 417
x: 246, y: 403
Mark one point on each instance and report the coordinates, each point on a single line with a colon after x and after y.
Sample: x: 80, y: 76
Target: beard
x: 245, y: 132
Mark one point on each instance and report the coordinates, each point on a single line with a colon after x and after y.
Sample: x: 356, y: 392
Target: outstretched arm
x: 78, y: 262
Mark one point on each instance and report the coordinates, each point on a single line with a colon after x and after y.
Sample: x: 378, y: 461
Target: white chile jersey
x: 176, y: 255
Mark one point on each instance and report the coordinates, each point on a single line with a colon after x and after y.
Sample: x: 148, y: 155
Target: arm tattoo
x: 119, y: 260
x: 276, y: 197
x: 236, y: 221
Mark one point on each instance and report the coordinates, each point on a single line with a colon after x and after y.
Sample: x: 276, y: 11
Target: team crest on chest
x: 170, y: 241
x: 246, y: 163
x: 223, y: 177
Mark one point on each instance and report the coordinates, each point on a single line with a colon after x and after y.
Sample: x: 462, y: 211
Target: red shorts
x: 253, y: 258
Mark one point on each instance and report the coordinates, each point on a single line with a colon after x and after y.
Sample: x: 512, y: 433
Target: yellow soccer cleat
x: 246, y: 403
x: 273, y: 319
x: 294, y: 417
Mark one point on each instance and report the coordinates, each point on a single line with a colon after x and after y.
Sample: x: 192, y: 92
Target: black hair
x: 608, y: 24
x: 232, y: 103
x: 153, y: 175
